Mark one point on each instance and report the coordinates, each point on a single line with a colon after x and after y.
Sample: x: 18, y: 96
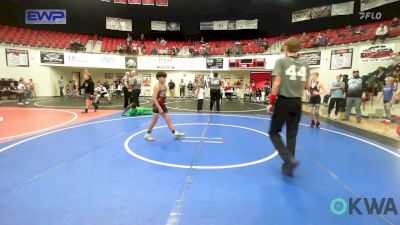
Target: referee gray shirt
x: 294, y: 72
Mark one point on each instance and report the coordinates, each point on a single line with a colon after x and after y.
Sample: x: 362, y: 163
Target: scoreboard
x: 255, y: 63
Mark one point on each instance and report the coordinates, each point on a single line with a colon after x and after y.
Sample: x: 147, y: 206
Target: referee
x: 291, y: 79
x: 215, y: 91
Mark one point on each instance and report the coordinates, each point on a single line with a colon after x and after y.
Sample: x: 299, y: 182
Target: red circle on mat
x: 20, y: 122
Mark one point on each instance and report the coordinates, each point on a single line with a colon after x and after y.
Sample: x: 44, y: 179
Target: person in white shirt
x: 381, y: 33
x: 101, y: 92
x: 200, y: 98
x: 22, y: 96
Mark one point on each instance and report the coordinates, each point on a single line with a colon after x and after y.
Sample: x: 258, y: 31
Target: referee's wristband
x: 272, y: 99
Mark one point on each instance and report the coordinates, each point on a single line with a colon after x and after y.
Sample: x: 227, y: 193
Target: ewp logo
x: 45, y: 16
x: 354, y: 206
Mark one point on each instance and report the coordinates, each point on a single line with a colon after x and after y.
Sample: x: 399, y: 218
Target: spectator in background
x: 229, y: 51
x: 202, y: 40
x: 120, y: 49
x: 304, y: 37
x: 358, y: 31
x: 337, y: 87
x: 323, y: 40
x: 142, y: 39
x: 182, y: 87
x: 258, y: 95
x: 238, y: 50
x: 190, y: 88
x: 381, y: 33
x: 355, y: 92
x: 154, y: 51
x: 163, y: 42
x: 200, y: 92
x: 395, y: 23
x: 171, y: 86
x: 33, y: 88
x: 22, y: 92
x: 61, y: 85
x: 388, y: 93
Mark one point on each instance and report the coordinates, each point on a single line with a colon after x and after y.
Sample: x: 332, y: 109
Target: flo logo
x: 370, y: 15
x: 363, y: 206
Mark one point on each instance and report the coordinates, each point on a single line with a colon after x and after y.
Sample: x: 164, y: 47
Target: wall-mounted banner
x: 312, y: 58
x: 301, y: 15
x: 370, y: 4
x: 168, y: 63
x: 147, y: 2
x: 131, y: 62
x: 17, y: 57
x: 135, y: 2
x: 217, y: 63
x: 221, y: 25
x: 207, y: 25
x: 162, y: 3
x: 321, y: 12
x: 247, y: 24
x: 341, y: 9
x: 341, y: 59
x: 376, y: 53
x: 159, y: 25
x: 173, y: 26
x: 118, y: 24
x: 52, y: 57
x: 88, y: 60
x: 120, y: 1
x: 46, y: 16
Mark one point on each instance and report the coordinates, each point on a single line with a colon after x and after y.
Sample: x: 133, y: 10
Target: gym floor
x: 58, y: 166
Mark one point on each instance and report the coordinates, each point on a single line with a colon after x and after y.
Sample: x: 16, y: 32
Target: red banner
x: 148, y: 2
x: 135, y: 2
x: 120, y: 1
x: 161, y: 2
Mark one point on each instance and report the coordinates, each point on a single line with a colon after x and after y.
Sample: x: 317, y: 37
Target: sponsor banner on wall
x: 51, y: 57
x: 173, y: 26
x: 341, y: 59
x: 146, y: 80
x: 130, y: 62
x: 247, y: 24
x: 147, y: 2
x: 168, y: 63
x: 312, y: 58
x: 370, y: 4
x: 301, y: 15
x: 46, y: 16
x: 135, y: 2
x: 341, y: 9
x: 118, y: 24
x: 320, y: 12
x: 159, y: 25
x: 90, y: 60
x: 220, y: 25
x: 207, y: 25
x: 162, y: 3
x: 376, y: 53
x: 217, y: 63
x: 120, y: 1
x: 17, y: 58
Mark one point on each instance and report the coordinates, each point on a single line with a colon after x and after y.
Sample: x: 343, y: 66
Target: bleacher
x: 39, y: 38
x: 42, y: 38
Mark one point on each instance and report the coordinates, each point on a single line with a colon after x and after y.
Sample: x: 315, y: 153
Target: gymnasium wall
x: 46, y: 77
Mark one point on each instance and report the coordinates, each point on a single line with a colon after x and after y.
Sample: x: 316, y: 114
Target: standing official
x: 137, y: 88
x: 291, y: 79
x: 215, y: 91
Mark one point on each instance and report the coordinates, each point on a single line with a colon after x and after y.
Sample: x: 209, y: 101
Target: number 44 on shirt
x: 291, y: 71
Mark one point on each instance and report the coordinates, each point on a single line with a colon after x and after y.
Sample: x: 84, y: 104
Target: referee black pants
x: 135, y: 97
x: 215, y: 95
x: 127, y: 97
x: 287, y: 111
